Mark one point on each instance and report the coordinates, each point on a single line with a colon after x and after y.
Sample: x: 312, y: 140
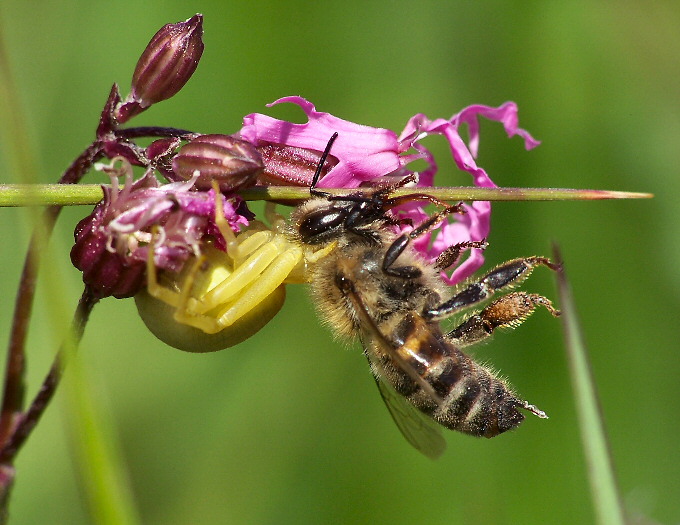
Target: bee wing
x: 419, y: 430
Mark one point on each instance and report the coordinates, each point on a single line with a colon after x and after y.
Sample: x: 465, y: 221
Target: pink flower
x: 364, y: 155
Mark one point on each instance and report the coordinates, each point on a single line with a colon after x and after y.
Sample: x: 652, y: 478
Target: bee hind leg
x: 508, y: 311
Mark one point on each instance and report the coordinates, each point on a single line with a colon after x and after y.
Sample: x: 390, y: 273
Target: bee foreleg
x: 448, y: 257
x: 506, y: 275
x: 506, y: 312
x: 400, y: 243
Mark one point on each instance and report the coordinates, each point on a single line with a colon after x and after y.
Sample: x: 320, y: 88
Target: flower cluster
x: 112, y: 243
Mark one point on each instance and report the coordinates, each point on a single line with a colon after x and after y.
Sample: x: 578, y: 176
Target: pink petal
x: 364, y: 152
x: 505, y: 113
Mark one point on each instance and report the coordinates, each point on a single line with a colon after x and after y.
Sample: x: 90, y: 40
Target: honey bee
x: 375, y: 287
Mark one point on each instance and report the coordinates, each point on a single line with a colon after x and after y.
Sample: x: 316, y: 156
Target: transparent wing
x: 419, y: 430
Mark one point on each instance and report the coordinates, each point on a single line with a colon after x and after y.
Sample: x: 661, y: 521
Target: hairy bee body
x: 360, y: 297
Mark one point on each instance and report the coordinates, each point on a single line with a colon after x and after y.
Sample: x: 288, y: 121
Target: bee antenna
x: 322, y: 161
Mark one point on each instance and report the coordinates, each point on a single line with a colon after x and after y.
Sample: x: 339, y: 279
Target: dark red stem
x: 13, y: 395
x: 27, y: 421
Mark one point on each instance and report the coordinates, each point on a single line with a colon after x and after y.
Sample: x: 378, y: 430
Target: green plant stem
x: 67, y: 195
x: 24, y: 423
x: 12, y: 401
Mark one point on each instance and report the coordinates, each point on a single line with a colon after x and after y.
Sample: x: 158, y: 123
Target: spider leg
x: 267, y: 282
x: 156, y: 289
x: 261, y: 253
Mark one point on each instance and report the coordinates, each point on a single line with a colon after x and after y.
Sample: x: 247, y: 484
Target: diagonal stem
x: 28, y: 420
x: 13, y: 393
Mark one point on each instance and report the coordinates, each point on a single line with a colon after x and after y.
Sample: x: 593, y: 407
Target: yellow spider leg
x: 156, y: 289
x: 235, y: 246
x: 242, y: 277
x: 271, y: 278
x: 224, y: 228
x: 180, y: 301
x: 277, y: 221
x: 186, y: 303
x: 249, y: 242
x: 315, y: 256
x: 300, y: 274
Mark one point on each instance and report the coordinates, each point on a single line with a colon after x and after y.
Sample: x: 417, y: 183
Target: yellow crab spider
x: 222, y: 298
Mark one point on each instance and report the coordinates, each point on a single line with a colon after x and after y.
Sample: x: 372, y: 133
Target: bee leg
x: 449, y: 256
x: 508, y: 311
x: 508, y: 274
x: 400, y: 243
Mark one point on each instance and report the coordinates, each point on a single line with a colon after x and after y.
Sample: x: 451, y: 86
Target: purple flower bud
x: 161, y: 148
x: 232, y: 162
x: 168, y: 61
x: 104, y: 271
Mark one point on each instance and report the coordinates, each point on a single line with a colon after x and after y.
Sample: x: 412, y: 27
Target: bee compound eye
x: 321, y: 222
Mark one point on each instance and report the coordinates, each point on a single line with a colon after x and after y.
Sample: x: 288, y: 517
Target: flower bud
x: 105, y: 272
x: 233, y: 163
x: 168, y: 61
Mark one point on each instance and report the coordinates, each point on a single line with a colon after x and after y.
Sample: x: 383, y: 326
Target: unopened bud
x: 168, y: 61
x: 233, y: 163
x: 105, y: 272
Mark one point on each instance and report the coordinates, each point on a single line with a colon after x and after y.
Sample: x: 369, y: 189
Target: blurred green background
x: 288, y: 427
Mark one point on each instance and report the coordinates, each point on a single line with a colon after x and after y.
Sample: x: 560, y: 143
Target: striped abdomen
x: 445, y: 383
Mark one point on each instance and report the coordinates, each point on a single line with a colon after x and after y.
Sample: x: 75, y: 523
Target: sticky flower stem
x: 30, y: 418
x: 13, y: 386
x: 24, y: 423
x: 55, y: 194
x: 27, y: 194
x: 14, y: 372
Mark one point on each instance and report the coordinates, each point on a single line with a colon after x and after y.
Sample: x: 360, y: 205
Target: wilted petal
x: 505, y: 114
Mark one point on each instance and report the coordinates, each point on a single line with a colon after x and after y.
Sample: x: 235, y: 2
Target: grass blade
x: 603, y: 486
